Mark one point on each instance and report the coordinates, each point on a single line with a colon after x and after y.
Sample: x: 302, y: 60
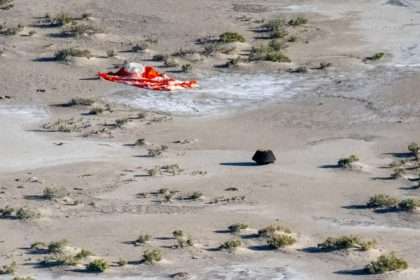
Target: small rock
x: 264, y: 157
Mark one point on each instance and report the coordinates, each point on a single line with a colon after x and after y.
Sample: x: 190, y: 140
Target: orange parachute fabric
x: 147, y: 77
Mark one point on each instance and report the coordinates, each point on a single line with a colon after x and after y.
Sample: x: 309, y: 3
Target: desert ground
x: 114, y: 169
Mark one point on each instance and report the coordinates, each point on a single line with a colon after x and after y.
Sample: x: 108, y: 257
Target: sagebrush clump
x: 386, y: 263
x: 230, y: 245
x: 347, y: 162
x: 346, y: 242
x: 237, y: 228
x: 231, y: 37
x: 67, y: 54
x: 97, y: 266
x: 281, y: 240
x: 152, y: 256
x: 8, y: 269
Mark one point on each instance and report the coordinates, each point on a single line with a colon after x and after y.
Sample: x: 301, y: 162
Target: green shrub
x: 347, y: 162
x: 196, y: 195
x: 386, y: 263
x: 409, y: 204
x: 8, y: 269
x: 22, y: 278
x: 231, y: 245
x: 97, y: 266
x: 57, y: 247
x: 297, y: 21
x: 414, y: 148
x: 142, y: 239
x: 152, y: 256
x: 26, y: 214
x: 346, y: 242
x: 122, y: 262
x: 67, y: 54
x: 82, y: 255
x: 382, y: 201
x: 60, y: 19
x: 53, y: 193
x: 6, y: 4
x: 398, y: 172
x: 184, y: 241
x: 273, y: 229
x: 280, y: 240
x: 186, y: 68
x: 6, y: 212
x: 236, y: 228
x: 230, y: 37
x: 267, y: 53
x: 375, y: 57
x: 160, y: 57
x: 10, y: 31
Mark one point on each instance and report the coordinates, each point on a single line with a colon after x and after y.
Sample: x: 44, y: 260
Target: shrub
x: 53, y: 193
x: 57, y: 247
x: 280, y: 240
x: 67, y: 54
x: 122, y: 262
x: 231, y: 245
x: 80, y: 101
x: 414, y: 148
x: 140, y: 47
x: 83, y: 254
x: 196, y: 195
x: 79, y: 30
x: 23, y: 278
x: 6, y: 212
x: 375, y: 57
x: 297, y: 21
x: 230, y: 37
x: 409, y: 204
x: 386, y: 263
x: 346, y: 242
x: 267, y: 53
x: 184, y: 241
x: 6, y: 4
x: 170, y: 62
x: 273, y: 229
x: 59, y: 20
x: 111, y: 53
x: 186, y: 68
x: 160, y: 57
x: 382, y: 201
x: 8, y: 269
x: 397, y: 173
x: 97, y: 266
x: 347, y: 162
x: 152, y: 256
x: 142, y: 239
x: 38, y: 246
x: 26, y: 214
x: 10, y: 31
x: 236, y: 228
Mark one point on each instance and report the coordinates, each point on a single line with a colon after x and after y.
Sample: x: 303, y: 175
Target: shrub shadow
x: 239, y: 164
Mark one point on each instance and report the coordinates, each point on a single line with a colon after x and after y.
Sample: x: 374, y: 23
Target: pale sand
x: 367, y: 109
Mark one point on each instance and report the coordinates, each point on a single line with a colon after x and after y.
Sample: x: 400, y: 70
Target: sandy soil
x: 310, y: 120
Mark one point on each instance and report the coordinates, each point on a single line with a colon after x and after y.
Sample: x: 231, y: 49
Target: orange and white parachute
x: 147, y: 77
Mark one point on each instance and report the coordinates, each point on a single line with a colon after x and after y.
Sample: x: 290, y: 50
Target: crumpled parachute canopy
x: 147, y: 77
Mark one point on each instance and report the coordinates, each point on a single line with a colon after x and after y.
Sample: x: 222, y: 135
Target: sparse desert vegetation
x: 231, y: 245
x: 152, y: 256
x: 294, y: 78
x: 346, y: 242
x: 67, y: 54
x: 386, y: 263
x: 97, y: 266
x: 348, y: 161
